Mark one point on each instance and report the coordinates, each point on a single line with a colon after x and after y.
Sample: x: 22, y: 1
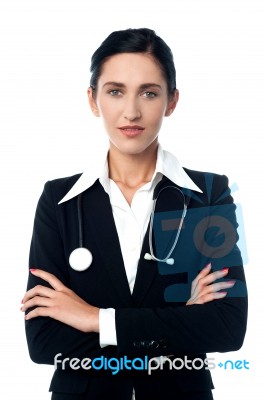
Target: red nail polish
x: 225, y: 270
x: 32, y: 269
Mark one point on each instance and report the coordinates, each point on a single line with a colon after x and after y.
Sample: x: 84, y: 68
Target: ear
x: 172, y: 103
x: 92, y: 102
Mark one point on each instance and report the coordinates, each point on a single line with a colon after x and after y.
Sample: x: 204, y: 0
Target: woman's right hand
x: 59, y: 303
x: 204, y: 290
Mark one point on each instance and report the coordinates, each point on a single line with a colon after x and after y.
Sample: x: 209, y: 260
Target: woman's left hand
x: 60, y: 303
x: 204, y: 290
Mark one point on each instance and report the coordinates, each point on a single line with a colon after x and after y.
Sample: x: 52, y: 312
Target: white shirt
x: 131, y: 221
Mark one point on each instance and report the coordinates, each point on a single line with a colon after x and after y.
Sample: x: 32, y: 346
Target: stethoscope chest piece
x: 80, y: 259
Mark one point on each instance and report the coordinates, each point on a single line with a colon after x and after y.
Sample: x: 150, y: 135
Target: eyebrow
x: 143, y: 86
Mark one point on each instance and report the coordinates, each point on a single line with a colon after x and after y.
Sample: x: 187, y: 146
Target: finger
x: 216, y: 287
x: 206, y: 278
x: 204, y: 272
x: 50, y: 278
x: 207, y: 298
x: 213, y: 276
x: 39, y: 312
x: 36, y: 301
x: 38, y: 290
x: 221, y: 285
x: 210, y: 289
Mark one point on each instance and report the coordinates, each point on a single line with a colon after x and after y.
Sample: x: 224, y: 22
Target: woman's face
x: 132, y: 99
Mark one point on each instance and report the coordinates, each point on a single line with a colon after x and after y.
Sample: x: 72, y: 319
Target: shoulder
x: 213, y: 185
x: 201, y: 177
x: 65, y: 183
x: 63, y: 190
x: 57, y: 188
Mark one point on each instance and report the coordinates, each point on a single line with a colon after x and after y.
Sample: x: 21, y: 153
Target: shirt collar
x: 167, y: 165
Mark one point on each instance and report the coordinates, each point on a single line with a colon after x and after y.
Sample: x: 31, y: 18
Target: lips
x: 131, y: 130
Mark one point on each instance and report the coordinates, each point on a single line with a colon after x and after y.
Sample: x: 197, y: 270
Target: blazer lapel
x: 106, y: 238
x: 147, y: 271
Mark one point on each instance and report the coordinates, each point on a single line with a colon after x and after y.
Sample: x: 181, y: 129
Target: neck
x: 132, y: 170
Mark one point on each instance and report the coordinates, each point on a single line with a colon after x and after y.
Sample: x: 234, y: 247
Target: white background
x: 47, y: 131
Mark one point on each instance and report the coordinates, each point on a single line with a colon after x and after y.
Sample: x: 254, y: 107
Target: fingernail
x: 32, y: 269
x: 225, y: 270
x: 232, y: 282
x: 22, y: 301
x: 223, y: 293
x: 208, y: 265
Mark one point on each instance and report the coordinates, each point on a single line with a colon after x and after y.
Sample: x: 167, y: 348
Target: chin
x: 135, y: 148
x: 135, y: 151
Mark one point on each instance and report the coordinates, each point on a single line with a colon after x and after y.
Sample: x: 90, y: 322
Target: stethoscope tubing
x: 153, y: 257
x: 80, y: 219
x: 81, y: 258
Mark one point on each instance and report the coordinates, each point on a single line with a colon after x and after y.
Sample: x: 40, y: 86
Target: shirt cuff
x: 107, y: 327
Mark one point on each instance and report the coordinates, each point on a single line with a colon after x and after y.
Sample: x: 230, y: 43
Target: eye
x: 150, y: 95
x: 114, y: 92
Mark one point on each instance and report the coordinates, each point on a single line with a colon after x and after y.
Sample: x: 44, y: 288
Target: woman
x: 134, y: 300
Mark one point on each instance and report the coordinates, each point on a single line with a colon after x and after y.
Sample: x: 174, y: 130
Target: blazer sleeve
x: 217, y: 326
x: 45, y: 336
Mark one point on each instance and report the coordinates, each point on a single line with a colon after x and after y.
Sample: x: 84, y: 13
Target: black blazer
x: 154, y: 320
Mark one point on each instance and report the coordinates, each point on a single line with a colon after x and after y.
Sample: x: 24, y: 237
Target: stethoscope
x: 150, y: 256
x: 81, y: 258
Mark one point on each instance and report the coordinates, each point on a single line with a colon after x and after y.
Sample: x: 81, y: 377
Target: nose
x: 132, y: 110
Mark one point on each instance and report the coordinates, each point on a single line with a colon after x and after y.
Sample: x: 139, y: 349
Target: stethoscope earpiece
x: 169, y: 261
x: 80, y: 259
